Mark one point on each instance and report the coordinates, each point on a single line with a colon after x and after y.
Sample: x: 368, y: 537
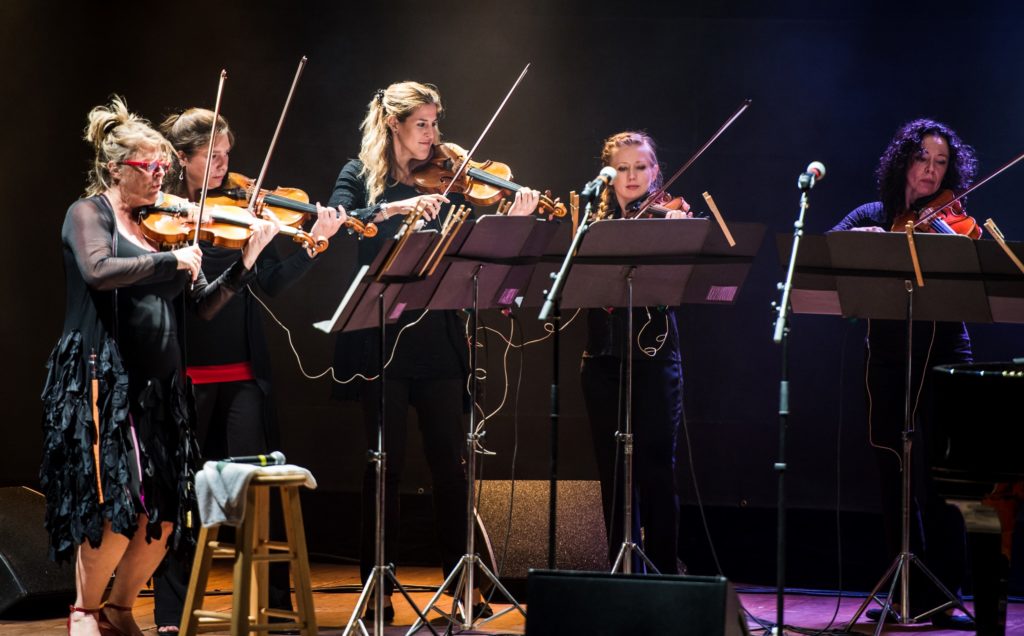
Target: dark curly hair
x: 905, y: 144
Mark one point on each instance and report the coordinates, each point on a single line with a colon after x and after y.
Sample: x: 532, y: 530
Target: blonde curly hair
x: 377, y: 149
x: 116, y: 135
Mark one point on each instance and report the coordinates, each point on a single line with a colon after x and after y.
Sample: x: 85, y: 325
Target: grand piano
x: 977, y: 460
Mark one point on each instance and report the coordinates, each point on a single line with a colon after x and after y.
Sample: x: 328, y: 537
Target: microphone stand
x: 552, y: 308
x: 781, y: 336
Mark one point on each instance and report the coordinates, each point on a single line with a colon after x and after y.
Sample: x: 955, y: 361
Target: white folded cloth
x: 220, y: 489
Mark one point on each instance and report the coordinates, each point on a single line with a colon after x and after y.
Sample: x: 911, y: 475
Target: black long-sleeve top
x: 236, y: 333
x: 607, y: 333
x: 436, y: 346
x: 888, y: 338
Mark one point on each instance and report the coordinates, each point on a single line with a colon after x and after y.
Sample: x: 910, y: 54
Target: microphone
x: 275, y: 458
x: 605, y: 177
x: 815, y: 172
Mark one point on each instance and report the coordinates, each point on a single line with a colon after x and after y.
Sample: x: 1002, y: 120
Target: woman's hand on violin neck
x: 525, y: 202
x: 328, y: 221
x: 262, y: 233
x: 190, y: 259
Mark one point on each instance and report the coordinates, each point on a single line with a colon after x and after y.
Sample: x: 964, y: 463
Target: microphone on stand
x: 605, y: 177
x: 275, y: 458
x: 815, y: 172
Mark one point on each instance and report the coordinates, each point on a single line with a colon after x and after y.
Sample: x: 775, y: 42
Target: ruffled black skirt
x: 145, y: 445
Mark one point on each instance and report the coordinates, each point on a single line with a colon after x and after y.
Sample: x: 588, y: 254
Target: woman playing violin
x: 429, y: 366
x: 119, y: 454
x: 657, y: 380
x: 924, y: 158
x: 228, y: 357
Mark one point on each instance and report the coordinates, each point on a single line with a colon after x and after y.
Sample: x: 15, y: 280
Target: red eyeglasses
x: 149, y: 166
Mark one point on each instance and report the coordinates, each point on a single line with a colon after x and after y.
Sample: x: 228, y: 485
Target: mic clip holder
x: 805, y: 181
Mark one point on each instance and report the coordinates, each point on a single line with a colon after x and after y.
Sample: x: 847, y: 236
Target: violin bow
x: 664, y: 188
x: 469, y: 155
x: 928, y: 217
x: 209, y: 155
x: 273, y: 142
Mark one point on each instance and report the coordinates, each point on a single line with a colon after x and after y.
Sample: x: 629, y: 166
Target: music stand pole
x: 380, y: 570
x: 900, y: 569
x: 625, y: 556
x: 464, y: 570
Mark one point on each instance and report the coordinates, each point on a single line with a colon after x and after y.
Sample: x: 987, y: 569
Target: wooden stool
x: 251, y: 553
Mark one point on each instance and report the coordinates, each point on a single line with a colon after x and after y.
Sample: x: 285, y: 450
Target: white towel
x: 220, y: 489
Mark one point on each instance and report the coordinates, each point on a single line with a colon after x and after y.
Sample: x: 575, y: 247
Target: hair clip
x: 379, y: 95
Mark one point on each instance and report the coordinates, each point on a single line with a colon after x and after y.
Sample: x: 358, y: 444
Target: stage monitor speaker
x: 30, y: 583
x: 597, y: 603
x: 581, y: 538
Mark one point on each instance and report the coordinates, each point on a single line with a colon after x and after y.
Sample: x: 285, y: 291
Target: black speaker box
x: 518, y: 542
x: 614, y: 604
x: 29, y: 582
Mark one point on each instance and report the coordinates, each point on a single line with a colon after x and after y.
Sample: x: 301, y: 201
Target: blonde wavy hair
x: 189, y: 132
x: 619, y: 140
x: 116, y: 135
x: 377, y: 149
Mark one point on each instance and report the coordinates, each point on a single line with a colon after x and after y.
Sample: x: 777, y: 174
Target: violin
x: 659, y: 208
x: 943, y: 215
x: 166, y: 224
x: 482, y: 183
x: 289, y: 206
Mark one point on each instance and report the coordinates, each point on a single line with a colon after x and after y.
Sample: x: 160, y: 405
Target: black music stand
x: 489, y: 268
x: 638, y: 262
x: 374, y: 299
x: 871, y: 275
x: 1004, y: 283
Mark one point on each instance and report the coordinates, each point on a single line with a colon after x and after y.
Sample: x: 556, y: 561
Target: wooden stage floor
x: 336, y: 586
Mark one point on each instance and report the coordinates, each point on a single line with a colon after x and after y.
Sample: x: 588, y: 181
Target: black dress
x: 125, y: 305
x: 427, y: 373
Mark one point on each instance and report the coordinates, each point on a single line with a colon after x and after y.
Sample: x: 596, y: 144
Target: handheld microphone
x: 605, y: 177
x: 815, y: 172
x: 275, y: 458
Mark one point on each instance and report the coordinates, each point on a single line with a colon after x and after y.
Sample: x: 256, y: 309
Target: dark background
x: 828, y: 83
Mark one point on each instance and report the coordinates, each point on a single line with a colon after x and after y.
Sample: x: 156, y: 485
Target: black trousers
x: 657, y: 410
x: 231, y: 421
x: 438, y: 405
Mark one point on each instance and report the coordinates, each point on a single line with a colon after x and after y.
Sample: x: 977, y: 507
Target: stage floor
x: 336, y: 592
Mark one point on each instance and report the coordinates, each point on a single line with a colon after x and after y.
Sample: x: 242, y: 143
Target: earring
x: 181, y: 175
